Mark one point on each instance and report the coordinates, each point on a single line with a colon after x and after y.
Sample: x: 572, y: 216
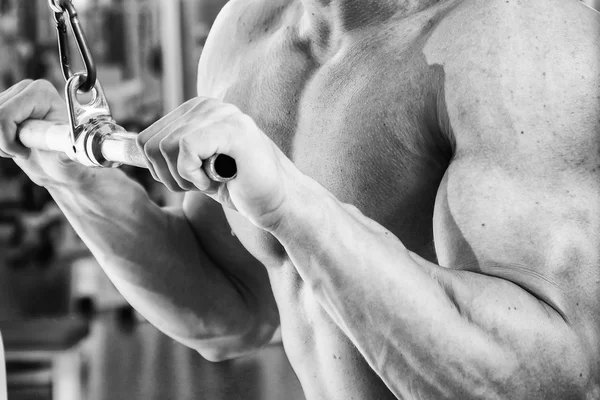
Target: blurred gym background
x: 67, y: 332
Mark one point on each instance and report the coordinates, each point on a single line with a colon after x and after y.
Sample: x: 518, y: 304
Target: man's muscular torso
x: 357, y: 95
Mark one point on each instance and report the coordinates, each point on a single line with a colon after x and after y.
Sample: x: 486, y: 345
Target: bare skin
x: 367, y: 123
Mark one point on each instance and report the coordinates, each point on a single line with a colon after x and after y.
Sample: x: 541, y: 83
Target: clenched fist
x: 177, y: 145
x: 36, y: 100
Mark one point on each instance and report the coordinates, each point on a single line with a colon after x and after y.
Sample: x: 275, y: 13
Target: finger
x: 144, y: 150
x: 165, y: 121
x: 189, y: 166
x: 213, y: 139
x: 201, y: 145
x: 144, y: 137
x: 13, y: 90
x: 150, y: 148
x: 7, y: 95
x: 201, y: 111
x: 208, y: 111
x: 34, y: 102
x: 159, y: 164
x: 169, y: 148
x: 5, y: 155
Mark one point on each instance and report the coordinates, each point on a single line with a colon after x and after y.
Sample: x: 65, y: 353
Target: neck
x: 325, y: 22
x: 353, y: 14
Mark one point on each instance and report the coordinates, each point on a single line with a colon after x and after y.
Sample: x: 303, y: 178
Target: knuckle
x: 153, y: 173
x: 140, y: 141
x: 243, y: 120
x: 148, y: 133
x: 42, y: 85
x: 19, y: 86
x: 173, y: 187
x: 145, y: 137
x: 230, y: 109
x: 181, y: 163
x: 183, y: 169
x: 47, y: 91
x: 206, y: 100
x: 191, y: 104
x: 230, y: 106
x: 185, y: 142
x: 194, y: 101
x: 207, y: 103
x: 151, y: 151
x: 22, y: 84
x: 184, y: 185
x: 184, y: 108
x: 165, y: 146
x: 183, y: 173
x: 189, y: 173
x: 202, y: 185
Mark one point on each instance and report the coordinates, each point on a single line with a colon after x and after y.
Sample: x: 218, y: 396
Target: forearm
x: 154, y: 259
x: 422, y: 328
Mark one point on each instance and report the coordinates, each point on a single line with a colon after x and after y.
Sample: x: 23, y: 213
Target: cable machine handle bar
x: 116, y: 148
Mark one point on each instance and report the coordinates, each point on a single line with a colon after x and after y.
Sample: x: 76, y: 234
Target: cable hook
x: 60, y: 8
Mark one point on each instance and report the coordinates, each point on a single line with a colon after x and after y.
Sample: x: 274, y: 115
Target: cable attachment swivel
x: 60, y: 8
x: 90, y: 124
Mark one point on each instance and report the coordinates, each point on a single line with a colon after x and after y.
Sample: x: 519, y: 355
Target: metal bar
x: 118, y: 147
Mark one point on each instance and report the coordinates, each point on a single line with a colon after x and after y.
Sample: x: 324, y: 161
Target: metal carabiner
x: 60, y: 7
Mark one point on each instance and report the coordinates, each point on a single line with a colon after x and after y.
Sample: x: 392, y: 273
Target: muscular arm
x: 427, y: 331
x: 524, y: 323
x: 181, y: 268
x: 167, y: 265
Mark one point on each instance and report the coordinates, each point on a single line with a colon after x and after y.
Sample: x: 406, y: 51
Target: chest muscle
x: 360, y: 122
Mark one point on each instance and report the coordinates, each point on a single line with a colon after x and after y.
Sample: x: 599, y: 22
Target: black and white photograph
x: 299, y: 199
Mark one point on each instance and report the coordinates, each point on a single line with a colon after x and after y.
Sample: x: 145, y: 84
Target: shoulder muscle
x: 519, y: 63
x: 237, y: 30
x: 522, y: 87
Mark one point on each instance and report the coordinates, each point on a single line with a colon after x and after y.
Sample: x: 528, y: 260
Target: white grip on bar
x: 53, y: 136
x: 44, y: 135
x: 122, y: 148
